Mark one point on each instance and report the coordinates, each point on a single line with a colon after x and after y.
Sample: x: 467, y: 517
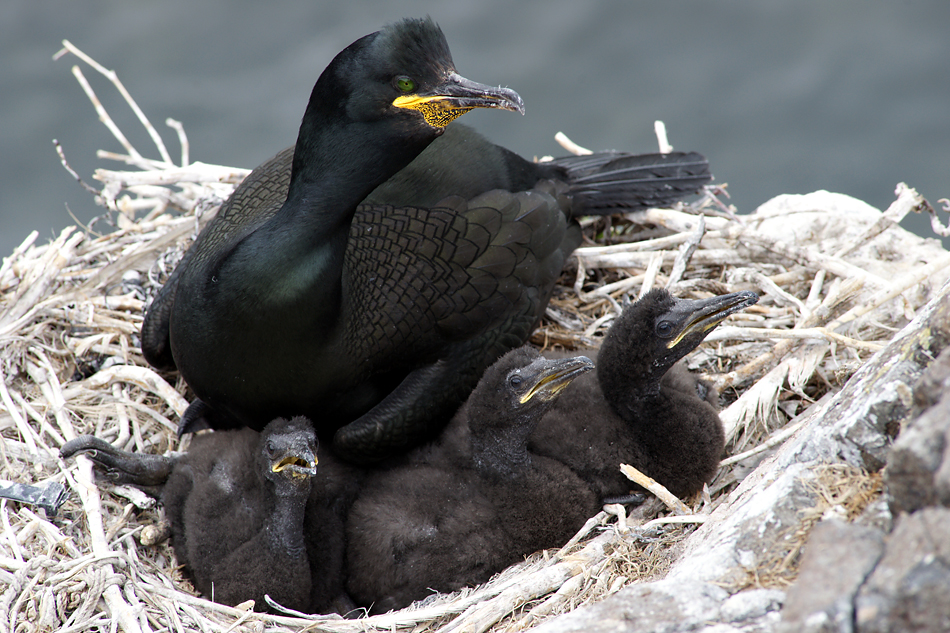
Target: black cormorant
x: 463, y: 508
x: 381, y: 317
x: 638, y: 407
x: 239, y: 504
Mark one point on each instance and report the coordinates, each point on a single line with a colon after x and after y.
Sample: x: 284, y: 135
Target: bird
x: 367, y: 276
x: 454, y: 512
x: 641, y: 406
x: 250, y: 512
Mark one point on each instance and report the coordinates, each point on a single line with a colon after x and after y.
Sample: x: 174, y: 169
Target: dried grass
x: 836, y: 281
x: 840, y: 489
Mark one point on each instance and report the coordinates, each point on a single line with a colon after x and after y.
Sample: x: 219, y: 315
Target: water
x: 782, y: 97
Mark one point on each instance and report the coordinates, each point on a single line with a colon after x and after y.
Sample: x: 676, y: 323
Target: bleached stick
x: 767, y: 334
x: 197, y: 172
x: 114, y: 78
x: 88, y: 493
x: 686, y: 252
x: 905, y: 282
x: 659, y: 128
x: 570, y: 145
x: 637, y: 259
x: 182, y: 139
x: 566, y: 591
x: 482, y: 617
x: 18, y: 420
x: 36, y: 283
x: 776, y: 438
x: 144, y: 378
x: 649, y: 277
x: 72, y: 172
x: 142, y: 163
x: 656, y: 488
x: 935, y: 224
x: 674, y: 520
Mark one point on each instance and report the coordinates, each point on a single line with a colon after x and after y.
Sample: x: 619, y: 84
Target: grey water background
x: 852, y: 96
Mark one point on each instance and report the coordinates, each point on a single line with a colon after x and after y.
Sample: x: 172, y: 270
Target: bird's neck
x: 503, y: 449
x: 639, y: 404
x: 627, y: 381
x: 285, y: 524
x: 336, y: 165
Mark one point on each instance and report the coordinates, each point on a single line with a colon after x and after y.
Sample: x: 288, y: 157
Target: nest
x: 837, y: 279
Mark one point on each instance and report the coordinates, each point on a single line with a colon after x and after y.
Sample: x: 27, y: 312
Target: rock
x: 836, y: 560
x: 909, y: 589
x: 918, y: 470
x: 751, y: 605
x: 823, y: 221
x: 654, y: 607
x: 877, y: 515
x: 934, y: 383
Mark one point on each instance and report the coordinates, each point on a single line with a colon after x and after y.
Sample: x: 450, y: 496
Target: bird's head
x: 404, y: 72
x: 686, y: 322
x: 656, y: 331
x: 289, y: 453
x: 509, y: 401
x: 522, y: 384
x: 543, y: 380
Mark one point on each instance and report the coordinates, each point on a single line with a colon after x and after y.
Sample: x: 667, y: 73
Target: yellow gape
x: 436, y: 110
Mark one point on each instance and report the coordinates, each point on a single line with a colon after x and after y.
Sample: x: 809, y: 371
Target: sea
x: 782, y: 96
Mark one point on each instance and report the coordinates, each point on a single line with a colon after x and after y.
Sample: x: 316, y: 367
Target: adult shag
x: 639, y: 406
x: 380, y: 317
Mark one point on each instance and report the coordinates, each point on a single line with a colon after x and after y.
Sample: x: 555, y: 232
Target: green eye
x: 405, y: 84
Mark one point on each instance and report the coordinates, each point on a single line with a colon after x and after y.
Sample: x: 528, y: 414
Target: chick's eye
x: 405, y: 84
x: 515, y: 381
x: 664, y: 329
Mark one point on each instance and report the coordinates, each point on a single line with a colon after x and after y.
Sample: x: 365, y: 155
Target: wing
x: 433, y: 277
x: 254, y: 201
x: 459, y: 285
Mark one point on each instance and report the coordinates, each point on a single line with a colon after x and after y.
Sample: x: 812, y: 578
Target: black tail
x: 608, y: 182
x: 142, y: 470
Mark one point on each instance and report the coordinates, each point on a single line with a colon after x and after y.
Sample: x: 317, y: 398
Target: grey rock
x: 918, y: 470
x: 909, y: 589
x: 655, y: 607
x: 877, y: 515
x: 751, y: 605
x: 837, y: 559
x: 934, y: 383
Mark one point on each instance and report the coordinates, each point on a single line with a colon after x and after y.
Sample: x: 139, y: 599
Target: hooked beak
x: 301, y: 464
x: 701, y: 316
x: 455, y: 96
x: 555, y: 375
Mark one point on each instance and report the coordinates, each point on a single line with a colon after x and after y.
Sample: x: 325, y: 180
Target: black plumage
x: 639, y: 407
x: 381, y: 316
x: 251, y: 513
x: 457, y: 511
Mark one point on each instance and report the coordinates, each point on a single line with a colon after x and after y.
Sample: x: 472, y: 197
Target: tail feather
x: 606, y: 182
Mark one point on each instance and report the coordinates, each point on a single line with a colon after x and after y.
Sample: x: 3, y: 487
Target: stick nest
x: 836, y: 277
